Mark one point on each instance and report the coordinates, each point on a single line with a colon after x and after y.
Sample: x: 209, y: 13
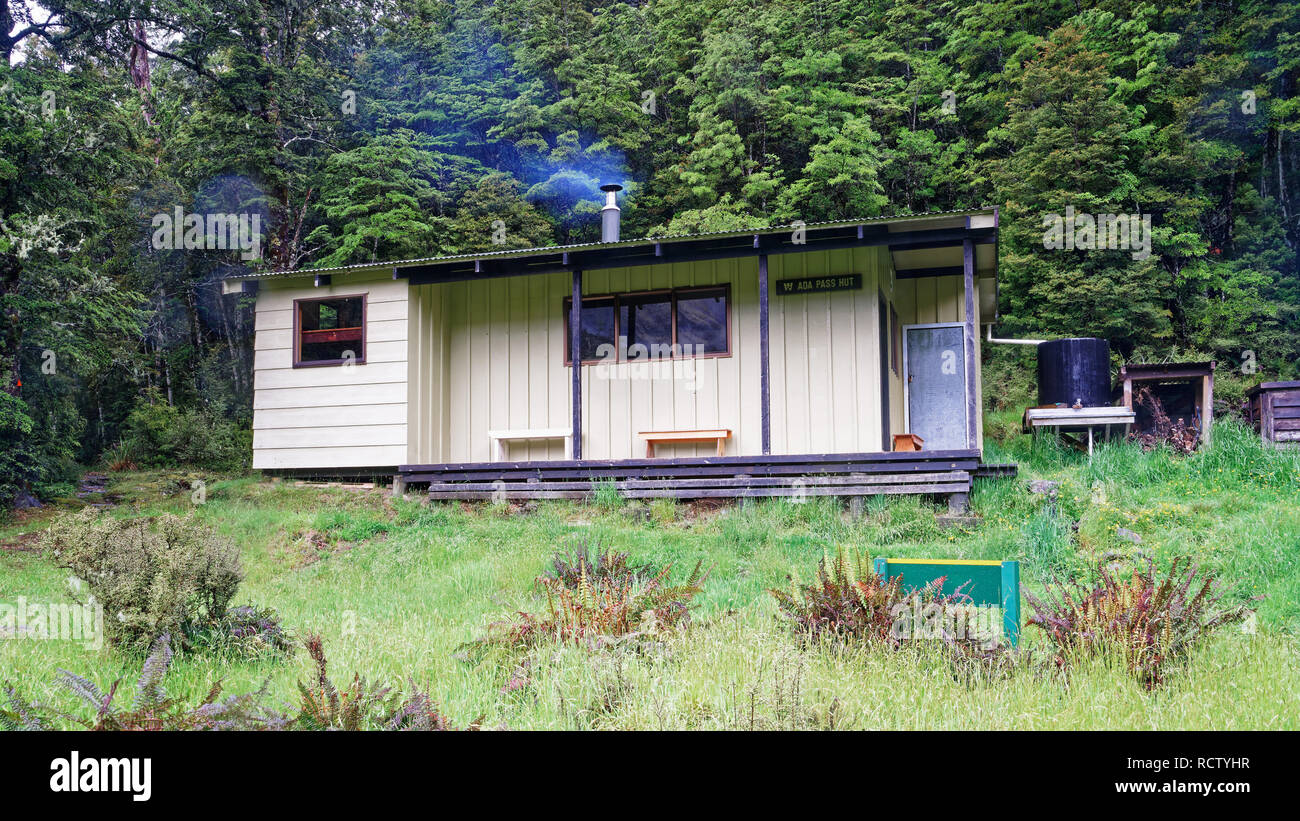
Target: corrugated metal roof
x: 559, y: 249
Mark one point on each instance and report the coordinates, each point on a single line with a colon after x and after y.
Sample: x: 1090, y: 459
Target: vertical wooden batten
x: 1207, y: 406
x: 575, y: 356
x: 883, y: 341
x: 972, y: 398
x: 765, y: 377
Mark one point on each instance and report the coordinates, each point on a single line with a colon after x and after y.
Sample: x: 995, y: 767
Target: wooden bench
x: 498, y: 438
x: 687, y: 436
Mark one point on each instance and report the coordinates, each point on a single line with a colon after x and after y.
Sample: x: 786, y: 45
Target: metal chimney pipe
x: 609, y: 215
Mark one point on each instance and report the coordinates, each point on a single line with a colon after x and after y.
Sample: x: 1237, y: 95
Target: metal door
x: 935, y: 363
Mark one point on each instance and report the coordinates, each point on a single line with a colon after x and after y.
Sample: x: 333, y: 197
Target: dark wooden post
x: 972, y: 394
x: 575, y: 357
x: 764, y: 371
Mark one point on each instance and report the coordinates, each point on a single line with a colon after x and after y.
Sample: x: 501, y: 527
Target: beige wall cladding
x: 331, y: 416
x: 491, y: 357
x: 825, y: 359
x: 446, y: 364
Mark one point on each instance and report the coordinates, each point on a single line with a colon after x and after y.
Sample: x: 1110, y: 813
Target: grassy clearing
x: 395, y: 587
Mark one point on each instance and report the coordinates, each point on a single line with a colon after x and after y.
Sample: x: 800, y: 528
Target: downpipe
x: 1012, y: 341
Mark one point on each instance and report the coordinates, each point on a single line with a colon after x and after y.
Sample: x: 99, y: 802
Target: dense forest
x: 361, y: 130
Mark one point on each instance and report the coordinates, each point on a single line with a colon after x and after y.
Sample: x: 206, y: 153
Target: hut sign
x: 817, y: 285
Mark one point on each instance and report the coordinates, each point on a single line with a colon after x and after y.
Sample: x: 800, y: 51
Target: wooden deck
x: 941, y: 473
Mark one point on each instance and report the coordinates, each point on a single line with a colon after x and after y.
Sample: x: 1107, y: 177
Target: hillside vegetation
x: 377, y: 130
x: 397, y: 588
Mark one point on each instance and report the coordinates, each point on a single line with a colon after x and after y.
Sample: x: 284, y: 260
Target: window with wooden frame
x: 329, y: 331
x: 680, y: 323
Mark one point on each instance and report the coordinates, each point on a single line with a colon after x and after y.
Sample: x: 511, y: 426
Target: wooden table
x: 1063, y: 420
x: 652, y: 436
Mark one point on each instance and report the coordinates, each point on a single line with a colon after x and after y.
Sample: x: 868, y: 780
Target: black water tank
x: 1074, y: 370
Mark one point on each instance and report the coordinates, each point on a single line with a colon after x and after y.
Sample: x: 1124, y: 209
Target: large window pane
x: 597, y: 329
x: 702, y: 321
x: 647, y: 320
x: 654, y: 325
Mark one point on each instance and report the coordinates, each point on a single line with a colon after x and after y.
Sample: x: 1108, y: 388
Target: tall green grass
x: 417, y: 580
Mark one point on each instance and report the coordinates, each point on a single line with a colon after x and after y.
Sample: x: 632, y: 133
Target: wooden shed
x: 1273, y: 409
x: 1184, y: 389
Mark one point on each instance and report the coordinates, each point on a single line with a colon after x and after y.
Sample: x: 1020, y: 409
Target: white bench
x: 498, y: 439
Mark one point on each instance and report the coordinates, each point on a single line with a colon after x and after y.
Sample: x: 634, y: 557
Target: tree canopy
x: 364, y: 130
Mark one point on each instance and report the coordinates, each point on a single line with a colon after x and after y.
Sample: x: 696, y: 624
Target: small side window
x: 330, y: 331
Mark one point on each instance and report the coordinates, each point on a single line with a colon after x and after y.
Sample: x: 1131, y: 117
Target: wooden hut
x: 778, y: 361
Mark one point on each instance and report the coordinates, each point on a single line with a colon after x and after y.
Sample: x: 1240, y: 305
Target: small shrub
x: 594, y: 565
x: 361, y: 706
x: 1149, y: 622
x: 19, y: 457
x: 846, y: 600
x: 121, y: 458
x: 55, y: 490
x: 18, y: 713
x: 247, y: 631
x: 38, y: 443
x: 153, y: 709
x: 203, y: 440
x: 160, y: 435
x: 323, y: 706
x: 147, y: 431
x: 151, y: 576
x: 601, y: 609
x: 849, y: 600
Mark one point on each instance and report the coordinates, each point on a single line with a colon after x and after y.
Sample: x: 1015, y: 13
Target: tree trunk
x: 11, y: 335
